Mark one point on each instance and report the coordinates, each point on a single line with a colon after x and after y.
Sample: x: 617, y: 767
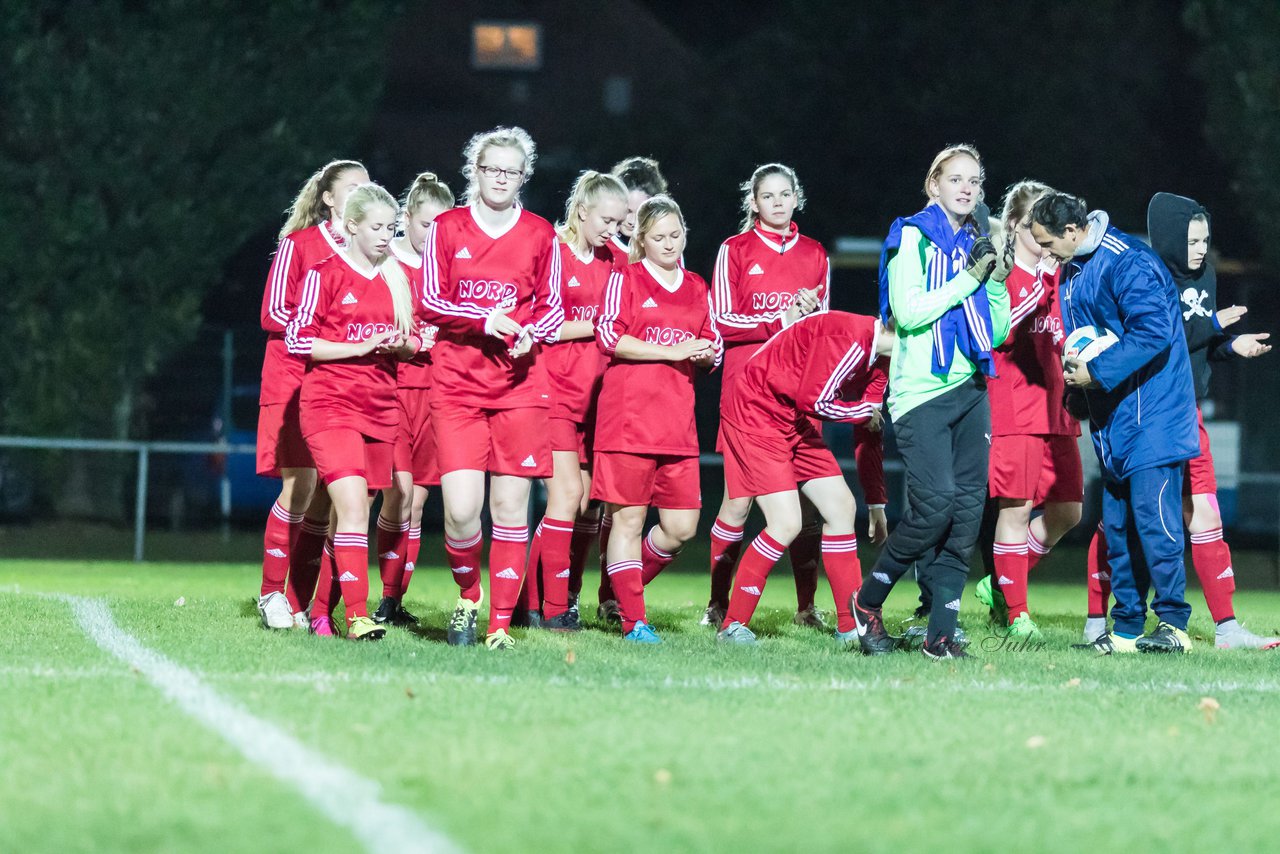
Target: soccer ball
x: 1087, y: 342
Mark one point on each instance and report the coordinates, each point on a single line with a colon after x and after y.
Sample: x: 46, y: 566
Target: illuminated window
x: 505, y: 45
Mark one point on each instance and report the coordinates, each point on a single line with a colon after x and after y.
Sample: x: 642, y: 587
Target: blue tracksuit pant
x: 1142, y: 517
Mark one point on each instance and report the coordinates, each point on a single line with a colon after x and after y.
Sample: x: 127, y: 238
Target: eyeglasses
x: 494, y: 172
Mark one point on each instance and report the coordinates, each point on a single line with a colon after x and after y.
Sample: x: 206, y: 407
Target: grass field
x: 581, y: 743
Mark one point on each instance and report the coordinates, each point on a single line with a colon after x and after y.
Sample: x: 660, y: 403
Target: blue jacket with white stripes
x: 1142, y: 410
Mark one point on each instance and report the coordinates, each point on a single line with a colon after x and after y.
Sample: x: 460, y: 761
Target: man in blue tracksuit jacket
x: 1140, y: 400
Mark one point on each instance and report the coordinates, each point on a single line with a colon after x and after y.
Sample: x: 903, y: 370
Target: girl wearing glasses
x: 299, y: 520
x: 492, y: 286
x: 656, y: 326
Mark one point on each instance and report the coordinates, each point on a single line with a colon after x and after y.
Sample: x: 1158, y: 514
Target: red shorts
x: 1041, y: 468
x: 631, y: 480
x: 416, y: 439
x: 498, y: 441
x: 280, y: 442
x: 343, y: 452
x: 759, y: 465
x: 569, y: 435
x: 1201, y: 479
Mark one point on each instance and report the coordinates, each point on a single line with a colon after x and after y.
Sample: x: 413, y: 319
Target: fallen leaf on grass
x: 1209, y: 707
x: 662, y: 777
x: 990, y: 668
x: 408, y: 692
x: 180, y: 601
x: 569, y: 657
x: 1072, y: 683
x: 1035, y: 742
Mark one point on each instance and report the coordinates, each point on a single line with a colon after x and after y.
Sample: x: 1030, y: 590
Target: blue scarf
x: 968, y: 325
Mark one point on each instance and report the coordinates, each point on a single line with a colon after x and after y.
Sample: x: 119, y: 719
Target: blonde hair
x: 945, y: 155
x: 751, y: 187
x: 500, y: 137
x: 359, y: 203
x: 587, y: 191
x: 1016, y: 208
x: 426, y: 188
x: 654, y: 209
x: 308, y: 208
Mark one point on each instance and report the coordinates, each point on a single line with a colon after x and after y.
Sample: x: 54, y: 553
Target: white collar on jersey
x: 655, y: 271
x: 786, y: 244
x: 406, y: 258
x: 501, y: 230
x: 585, y: 259
x: 371, y: 275
x: 327, y: 228
x: 1024, y: 268
x: 620, y: 243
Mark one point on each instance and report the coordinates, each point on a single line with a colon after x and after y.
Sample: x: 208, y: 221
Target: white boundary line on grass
x: 341, y: 795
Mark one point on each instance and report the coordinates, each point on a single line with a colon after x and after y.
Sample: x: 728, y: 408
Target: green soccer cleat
x: 993, y: 599
x: 1164, y: 639
x: 736, y: 634
x: 500, y: 641
x: 363, y: 628
x: 461, y: 630
x: 1109, y: 644
x: 1024, y: 627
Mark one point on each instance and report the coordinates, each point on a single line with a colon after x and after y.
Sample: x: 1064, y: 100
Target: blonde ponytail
x: 308, y: 208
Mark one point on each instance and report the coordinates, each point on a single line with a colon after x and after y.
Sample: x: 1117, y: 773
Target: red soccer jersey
x: 574, y: 368
x: 296, y: 254
x: 340, y: 303
x: 469, y: 270
x: 647, y: 407
x: 756, y: 278
x: 822, y: 366
x: 416, y: 372
x: 1026, y: 393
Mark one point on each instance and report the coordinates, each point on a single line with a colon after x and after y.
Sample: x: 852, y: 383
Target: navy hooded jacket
x: 1143, y: 410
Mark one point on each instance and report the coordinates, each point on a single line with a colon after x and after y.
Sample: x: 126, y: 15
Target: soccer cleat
x: 500, y: 641
x: 608, y: 613
x: 1094, y: 628
x: 1165, y: 638
x: 944, y: 647
x: 736, y: 634
x: 386, y: 610
x: 810, y: 617
x: 846, y: 640
x: 566, y: 622
x: 1232, y: 635
x: 573, y: 607
x: 522, y: 619
x: 362, y: 628
x: 324, y: 627
x: 403, y: 617
x: 993, y: 599
x: 1109, y: 644
x: 1024, y: 627
x: 873, y: 637
x: 275, y: 611
x: 642, y: 633
x: 461, y: 630
x: 915, y: 636
x: 713, y: 616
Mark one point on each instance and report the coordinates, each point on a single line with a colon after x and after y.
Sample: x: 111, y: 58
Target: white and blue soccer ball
x: 1087, y: 341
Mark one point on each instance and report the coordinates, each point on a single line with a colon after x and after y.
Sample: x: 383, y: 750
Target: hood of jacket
x: 1168, y: 217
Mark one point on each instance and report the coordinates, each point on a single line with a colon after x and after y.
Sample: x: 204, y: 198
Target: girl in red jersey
x: 492, y: 285
x: 657, y: 328
x: 829, y: 366
x: 400, y: 522
x: 1035, y: 459
x: 299, y: 520
x: 595, y: 210
x: 766, y: 277
x: 355, y: 313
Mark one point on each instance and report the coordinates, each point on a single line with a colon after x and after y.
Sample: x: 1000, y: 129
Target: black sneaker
x: 944, y: 647
x: 573, y: 606
x: 522, y: 619
x: 386, y: 611
x: 403, y: 617
x: 872, y: 635
x: 565, y: 622
x: 1165, y: 639
x: 462, y: 624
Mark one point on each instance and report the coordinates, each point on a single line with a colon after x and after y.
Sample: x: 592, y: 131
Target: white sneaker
x: 275, y: 611
x: 1232, y: 635
x: 1094, y: 628
x: 301, y: 620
